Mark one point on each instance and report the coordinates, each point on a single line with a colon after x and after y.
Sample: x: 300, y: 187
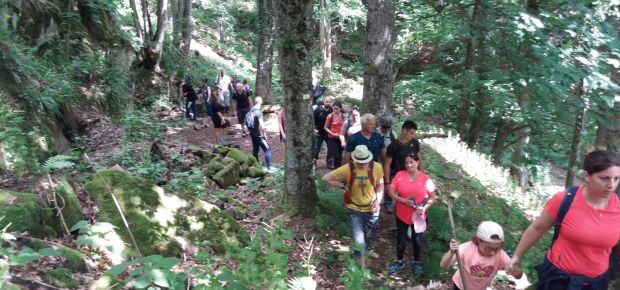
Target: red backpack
x: 353, y: 174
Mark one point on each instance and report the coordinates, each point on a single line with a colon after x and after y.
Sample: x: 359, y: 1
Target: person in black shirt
x: 243, y: 103
x: 216, y: 117
x: 404, y: 145
x: 258, y: 134
x: 190, y: 100
x: 320, y: 115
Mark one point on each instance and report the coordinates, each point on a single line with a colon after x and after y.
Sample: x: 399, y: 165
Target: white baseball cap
x: 491, y: 232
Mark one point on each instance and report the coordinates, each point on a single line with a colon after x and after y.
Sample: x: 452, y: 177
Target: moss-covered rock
x: 60, y: 277
x: 227, y: 160
x: 241, y: 158
x: 71, y: 209
x: 105, y: 282
x: 228, y: 176
x: 215, y: 165
x: 255, y: 171
x: 26, y: 213
x: 74, y: 259
x: 156, y: 219
x: 222, y: 150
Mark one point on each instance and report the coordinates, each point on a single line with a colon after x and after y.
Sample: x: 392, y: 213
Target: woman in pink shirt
x: 333, y: 126
x: 579, y: 257
x: 481, y: 258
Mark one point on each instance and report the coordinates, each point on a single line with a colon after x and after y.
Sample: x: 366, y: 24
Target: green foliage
x: 355, y: 277
x: 138, y: 125
x: 61, y: 278
x: 17, y: 142
x: 147, y: 167
x: 151, y: 272
x: 59, y: 162
x: 189, y: 182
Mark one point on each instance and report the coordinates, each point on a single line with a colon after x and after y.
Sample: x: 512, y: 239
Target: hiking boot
x: 417, y: 268
x: 397, y: 266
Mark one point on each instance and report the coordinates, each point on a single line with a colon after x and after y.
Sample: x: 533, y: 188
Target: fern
x: 59, y: 162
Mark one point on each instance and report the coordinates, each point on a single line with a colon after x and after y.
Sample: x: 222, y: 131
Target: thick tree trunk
x: 146, y: 20
x: 378, y: 69
x: 153, y: 49
x: 501, y: 135
x: 573, y: 156
x: 186, y: 27
x: 136, y: 19
x: 176, y: 8
x: 264, y: 60
x: 325, y: 35
x: 294, y: 34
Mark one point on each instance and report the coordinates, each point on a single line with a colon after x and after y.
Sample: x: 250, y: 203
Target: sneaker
x: 417, y: 268
x: 397, y: 266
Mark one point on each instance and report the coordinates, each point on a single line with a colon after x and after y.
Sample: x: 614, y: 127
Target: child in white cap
x: 481, y: 257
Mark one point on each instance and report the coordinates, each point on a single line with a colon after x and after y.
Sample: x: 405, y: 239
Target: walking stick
x: 458, y: 257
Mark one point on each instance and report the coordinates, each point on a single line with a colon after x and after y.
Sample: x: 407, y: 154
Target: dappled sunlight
x: 337, y: 246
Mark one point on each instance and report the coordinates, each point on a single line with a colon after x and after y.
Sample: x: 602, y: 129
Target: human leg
x: 267, y: 150
x: 339, y: 151
x: 256, y: 140
x: 356, y: 222
x: 332, y: 149
x: 401, y: 239
x: 370, y: 228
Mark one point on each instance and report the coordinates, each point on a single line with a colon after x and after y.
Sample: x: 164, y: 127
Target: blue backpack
x: 249, y: 119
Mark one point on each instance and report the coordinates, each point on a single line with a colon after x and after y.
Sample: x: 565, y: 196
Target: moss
x: 215, y: 165
x: 256, y: 172
x: 60, y: 277
x: 222, y: 150
x: 72, y: 210
x: 74, y: 259
x: 228, y: 176
x: 105, y: 282
x: 239, y: 156
x: 25, y: 213
x: 215, y: 227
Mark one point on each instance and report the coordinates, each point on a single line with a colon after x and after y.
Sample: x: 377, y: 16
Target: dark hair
x: 205, y: 80
x: 337, y: 104
x: 599, y: 160
x: 409, y: 125
x: 413, y: 156
x: 245, y: 82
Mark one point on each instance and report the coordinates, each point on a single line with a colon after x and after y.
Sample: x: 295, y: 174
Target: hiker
x: 589, y: 227
x: 320, y: 115
x: 481, y: 258
x: 258, y: 133
x: 222, y: 82
x: 243, y: 104
x: 414, y: 192
x: 406, y: 144
x: 367, y: 136
x: 190, y: 100
x: 317, y: 92
x: 232, y: 86
x: 385, y: 130
x: 205, y: 92
x: 362, y: 183
x: 350, y: 126
x: 216, y: 116
x: 333, y: 126
x: 246, y: 86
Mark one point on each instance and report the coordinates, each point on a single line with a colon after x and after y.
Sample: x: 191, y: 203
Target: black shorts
x: 241, y: 115
x: 217, y: 122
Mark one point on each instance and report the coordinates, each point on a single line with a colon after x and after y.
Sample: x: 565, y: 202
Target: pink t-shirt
x: 480, y: 270
x: 405, y: 188
x: 587, y: 235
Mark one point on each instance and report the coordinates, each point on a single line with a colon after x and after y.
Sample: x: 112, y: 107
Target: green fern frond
x: 59, y: 162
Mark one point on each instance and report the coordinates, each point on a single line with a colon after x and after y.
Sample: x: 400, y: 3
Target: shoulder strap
x: 371, y: 177
x: 568, y: 199
x: 352, y: 174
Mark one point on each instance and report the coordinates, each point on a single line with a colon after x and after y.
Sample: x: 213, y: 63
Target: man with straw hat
x: 362, y: 183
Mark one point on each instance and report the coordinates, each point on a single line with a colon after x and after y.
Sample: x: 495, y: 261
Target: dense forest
x: 105, y: 184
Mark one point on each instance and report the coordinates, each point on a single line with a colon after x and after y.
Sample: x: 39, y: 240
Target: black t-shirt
x: 398, y: 151
x: 217, y: 108
x: 243, y: 99
x: 258, y: 115
x: 320, y: 115
x: 189, y: 92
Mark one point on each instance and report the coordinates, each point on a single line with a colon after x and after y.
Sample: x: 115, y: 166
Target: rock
x: 156, y: 218
x: 199, y: 126
x: 73, y: 259
x: 241, y: 158
x: 229, y: 175
x: 255, y: 171
x: 60, y: 277
x: 24, y: 212
x: 216, y: 164
x: 71, y: 209
x: 222, y: 150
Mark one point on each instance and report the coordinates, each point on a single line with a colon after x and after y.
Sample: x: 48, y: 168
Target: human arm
x: 343, y: 132
x: 379, y: 190
x: 328, y: 124
x: 346, y: 158
x: 531, y: 235
x: 449, y: 258
x: 331, y: 180
x: 386, y: 169
x: 281, y: 124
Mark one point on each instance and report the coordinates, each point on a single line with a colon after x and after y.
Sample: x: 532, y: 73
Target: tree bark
x: 264, y: 60
x: 136, y: 19
x: 154, y: 47
x: 176, y: 8
x: 146, y: 20
x: 378, y: 70
x: 325, y: 35
x: 294, y: 33
x: 186, y: 27
x: 573, y: 155
x: 501, y: 135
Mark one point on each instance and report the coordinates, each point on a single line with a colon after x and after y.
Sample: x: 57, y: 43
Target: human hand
x: 514, y: 267
x: 376, y: 206
x: 454, y: 245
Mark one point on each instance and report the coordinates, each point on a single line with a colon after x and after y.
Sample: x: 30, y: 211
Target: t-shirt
x: 217, y: 108
x: 374, y: 144
x: 587, y: 235
x: 387, y: 138
x: 320, y: 115
x: 362, y: 192
x: 243, y: 99
x: 352, y: 128
x: 408, y: 189
x: 398, y: 151
x: 258, y: 116
x: 222, y: 81
x: 190, y: 92
x: 480, y: 270
x: 334, y: 124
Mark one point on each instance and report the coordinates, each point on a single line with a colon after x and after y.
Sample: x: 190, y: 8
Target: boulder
x: 228, y: 176
x: 241, y: 158
x: 157, y: 219
x: 25, y: 212
x: 255, y: 171
x: 214, y: 166
x: 71, y: 209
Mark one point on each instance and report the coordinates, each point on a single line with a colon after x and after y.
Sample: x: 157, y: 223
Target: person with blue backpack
x: 586, y: 222
x: 256, y: 128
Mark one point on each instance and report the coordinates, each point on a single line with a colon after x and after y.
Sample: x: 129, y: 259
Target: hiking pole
x: 458, y: 257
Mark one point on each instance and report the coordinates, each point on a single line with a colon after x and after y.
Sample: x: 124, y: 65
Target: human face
x: 385, y: 129
x: 487, y: 249
x: 603, y: 183
x: 411, y: 164
x: 355, y: 115
x: 408, y: 134
x: 327, y: 102
x: 369, y: 126
x: 336, y: 110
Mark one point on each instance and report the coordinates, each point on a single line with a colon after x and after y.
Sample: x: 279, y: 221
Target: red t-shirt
x: 587, y: 235
x: 335, y: 124
x: 419, y: 187
x: 479, y: 270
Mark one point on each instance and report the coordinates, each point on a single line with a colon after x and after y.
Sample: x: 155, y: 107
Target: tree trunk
x: 378, y: 69
x: 186, y: 27
x: 573, y: 155
x: 146, y: 20
x: 154, y: 47
x: 325, y: 35
x: 501, y: 135
x: 136, y: 19
x: 176, y: 11
x: 294, y: 34
x: 264, y: 60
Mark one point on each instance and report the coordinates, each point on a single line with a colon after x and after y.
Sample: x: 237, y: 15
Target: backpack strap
x: 371, y: 177
x: 568, y: 199
x: 352, y: 175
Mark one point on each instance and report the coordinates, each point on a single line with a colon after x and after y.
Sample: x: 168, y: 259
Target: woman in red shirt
x: 333, y: 126
x: 579, y: 257
x: 414, y: 192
